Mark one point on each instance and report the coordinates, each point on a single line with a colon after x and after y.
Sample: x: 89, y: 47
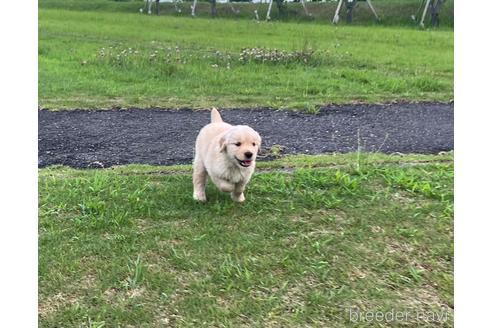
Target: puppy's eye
x: 254, y: 144
x: 238, y: 144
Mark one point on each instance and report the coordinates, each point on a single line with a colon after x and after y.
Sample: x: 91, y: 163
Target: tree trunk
x: 280, y: 8
x: 350, y: 14
x: 213, y: 4
x: 349, y: 5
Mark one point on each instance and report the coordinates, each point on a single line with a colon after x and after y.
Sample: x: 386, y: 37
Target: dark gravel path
x: 105, y: 138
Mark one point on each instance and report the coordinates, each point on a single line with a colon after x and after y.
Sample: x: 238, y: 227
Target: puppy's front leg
x: 199, y: 181
x: 238, y: 194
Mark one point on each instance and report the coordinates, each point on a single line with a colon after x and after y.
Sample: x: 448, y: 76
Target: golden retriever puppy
x: 227, y: 155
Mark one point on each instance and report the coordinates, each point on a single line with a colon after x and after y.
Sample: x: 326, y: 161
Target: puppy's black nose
x: 248, y: 154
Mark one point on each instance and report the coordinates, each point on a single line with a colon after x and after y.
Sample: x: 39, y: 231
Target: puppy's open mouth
x: 244, y: 163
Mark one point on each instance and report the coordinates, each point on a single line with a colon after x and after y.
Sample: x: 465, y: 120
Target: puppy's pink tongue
x: 247, y: 162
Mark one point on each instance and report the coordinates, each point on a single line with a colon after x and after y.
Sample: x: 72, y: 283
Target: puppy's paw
x: 238, y: 198
x: 200, y: 197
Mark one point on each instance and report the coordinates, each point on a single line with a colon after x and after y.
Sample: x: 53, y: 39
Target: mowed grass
x: 128, y: 246
x: 90, y: 59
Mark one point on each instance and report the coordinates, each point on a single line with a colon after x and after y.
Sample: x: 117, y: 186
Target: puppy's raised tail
x: 215, y: 116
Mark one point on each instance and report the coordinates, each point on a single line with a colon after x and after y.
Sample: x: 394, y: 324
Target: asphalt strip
x: 103, y: 138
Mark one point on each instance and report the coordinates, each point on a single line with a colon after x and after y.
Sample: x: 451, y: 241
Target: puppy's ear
x: 223, y: 143
x: 259, y: 143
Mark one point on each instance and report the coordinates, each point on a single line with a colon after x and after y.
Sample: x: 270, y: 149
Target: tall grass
x: 391, y: 12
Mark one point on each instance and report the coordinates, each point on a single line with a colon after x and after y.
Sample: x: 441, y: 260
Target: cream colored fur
x: 221, y: 153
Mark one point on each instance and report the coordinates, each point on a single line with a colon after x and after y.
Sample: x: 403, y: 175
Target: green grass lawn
x: 128, y: 246
x: 104, y: 59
